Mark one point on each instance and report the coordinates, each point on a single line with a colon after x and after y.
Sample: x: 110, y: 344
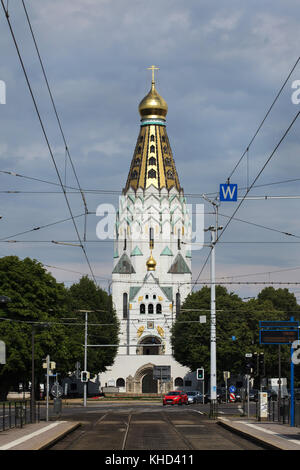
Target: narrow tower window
x: 151, y: 238
x: 152, y: 149
x: 125, y: 306
x: 158, y: 308
x: 177, y: 304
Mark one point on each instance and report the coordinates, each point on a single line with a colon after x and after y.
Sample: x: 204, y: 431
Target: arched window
x: 152, y: 149
x: 158, y: 308
x: 120, y: 382
x: 178, y: 382
x: 152, y: 138
x: 125, y: 306
x: 170, y: 174
x: 142, y: 308
x: 152, y: 173
x: 150, y: 308
x: 134, y: 175
x: 152, y: 161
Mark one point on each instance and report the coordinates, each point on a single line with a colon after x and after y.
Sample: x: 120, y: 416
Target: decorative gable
x: 123, y: 266
x: 179, y: 266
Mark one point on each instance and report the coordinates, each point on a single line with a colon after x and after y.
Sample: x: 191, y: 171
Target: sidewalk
x: 274, y: 435
x: 35, y: 436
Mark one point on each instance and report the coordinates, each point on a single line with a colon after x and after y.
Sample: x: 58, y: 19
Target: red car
x: 176, y: 397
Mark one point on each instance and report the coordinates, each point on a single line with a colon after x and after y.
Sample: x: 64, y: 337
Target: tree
x: 237, y: 331
x: 282, y: 299
x: 102, y: 320
x: 36, y: 298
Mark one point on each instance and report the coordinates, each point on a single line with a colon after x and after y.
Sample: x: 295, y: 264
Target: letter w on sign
x: 228, y: 192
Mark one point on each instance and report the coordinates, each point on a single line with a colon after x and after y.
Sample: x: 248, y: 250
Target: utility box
x: 57, y: 406
x: 262, y: 406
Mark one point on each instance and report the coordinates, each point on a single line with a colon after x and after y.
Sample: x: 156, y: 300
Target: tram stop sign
x: 57, y: 390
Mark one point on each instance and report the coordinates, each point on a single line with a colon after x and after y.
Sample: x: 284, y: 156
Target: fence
x: 18, y: 414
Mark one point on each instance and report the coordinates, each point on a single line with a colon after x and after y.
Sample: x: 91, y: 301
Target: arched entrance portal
x: 143, y: 379
x: 148, y: 384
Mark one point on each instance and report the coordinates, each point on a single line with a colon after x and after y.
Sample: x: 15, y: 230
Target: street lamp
x: 213, y: 339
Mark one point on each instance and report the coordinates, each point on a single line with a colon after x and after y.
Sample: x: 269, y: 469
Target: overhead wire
x: 45, y: 136
x: 264, y: 119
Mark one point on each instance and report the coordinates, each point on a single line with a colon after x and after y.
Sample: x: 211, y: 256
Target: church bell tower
x: 152, y: 257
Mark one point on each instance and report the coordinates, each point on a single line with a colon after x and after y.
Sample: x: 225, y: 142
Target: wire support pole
x: 213, y: 339
x: 85, y: 358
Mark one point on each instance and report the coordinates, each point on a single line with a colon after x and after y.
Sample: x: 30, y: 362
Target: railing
x: 18, y: 414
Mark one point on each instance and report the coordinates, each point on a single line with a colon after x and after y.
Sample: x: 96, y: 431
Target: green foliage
x: 85, y: 295
x: 39, y: 304
x: 235, y: 318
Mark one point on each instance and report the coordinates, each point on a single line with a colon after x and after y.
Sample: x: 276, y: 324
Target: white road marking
x: 29, y: 436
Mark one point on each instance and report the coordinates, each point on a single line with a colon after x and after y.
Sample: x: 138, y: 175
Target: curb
x: 260, y: 440
x: 55, y: 439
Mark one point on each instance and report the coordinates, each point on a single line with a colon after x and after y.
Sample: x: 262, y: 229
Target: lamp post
x: 213, y: 338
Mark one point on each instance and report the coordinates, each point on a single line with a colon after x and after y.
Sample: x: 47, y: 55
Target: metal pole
x: 279, y: 381
x: 248, y: 397
x: 213, y: 359
x: 47, y: 386
x: 292, y: 405
x: 32, y: 401
x: 85, y: 359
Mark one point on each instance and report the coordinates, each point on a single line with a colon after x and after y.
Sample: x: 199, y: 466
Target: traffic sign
x: 228, y: 192
x: 231, y: 397
x: 57, y: 390
x: 232, y: 389
x: 278, y: 336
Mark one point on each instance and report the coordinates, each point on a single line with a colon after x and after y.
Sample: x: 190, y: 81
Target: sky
x: 221, y: 64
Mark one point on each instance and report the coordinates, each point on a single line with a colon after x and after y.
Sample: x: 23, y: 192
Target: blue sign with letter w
x: 228, y: 192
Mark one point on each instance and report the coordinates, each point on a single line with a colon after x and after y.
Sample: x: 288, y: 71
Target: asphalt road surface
x: 152, y: 427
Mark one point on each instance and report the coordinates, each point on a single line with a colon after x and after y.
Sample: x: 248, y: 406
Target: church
x: 151, y: 274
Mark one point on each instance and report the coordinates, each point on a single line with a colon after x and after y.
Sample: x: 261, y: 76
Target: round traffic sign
x: 57, y: 390
x: 232, y: 389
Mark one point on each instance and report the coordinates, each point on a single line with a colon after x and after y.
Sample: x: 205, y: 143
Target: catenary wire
x: 46, y: 138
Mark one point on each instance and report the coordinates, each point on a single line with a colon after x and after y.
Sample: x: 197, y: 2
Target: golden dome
x: 153, y: 106
x: 151, y: 263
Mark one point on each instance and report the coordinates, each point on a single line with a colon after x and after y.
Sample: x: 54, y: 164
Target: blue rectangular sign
x: 228, y: 192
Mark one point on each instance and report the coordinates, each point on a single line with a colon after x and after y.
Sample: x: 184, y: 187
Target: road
x: 148, y: 427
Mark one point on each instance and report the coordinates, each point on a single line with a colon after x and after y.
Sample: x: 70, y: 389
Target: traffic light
x: 200, y: 374
x: 262, y: 370
x: 249, y: 364
x: 85, y: 376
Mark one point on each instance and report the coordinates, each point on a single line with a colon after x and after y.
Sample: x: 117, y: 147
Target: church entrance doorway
x: 149, y: 385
